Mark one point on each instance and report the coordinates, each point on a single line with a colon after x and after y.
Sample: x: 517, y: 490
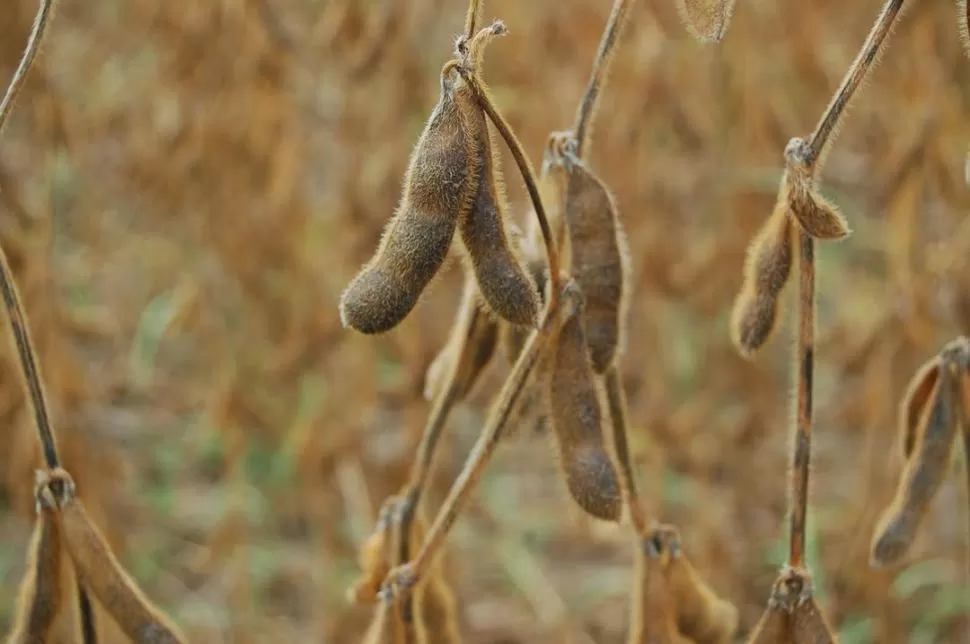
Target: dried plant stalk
x: 927, y: 466
x: 31, y: 380
x: 616, y: 400
x: 583, y: 129
x: 101, y: 573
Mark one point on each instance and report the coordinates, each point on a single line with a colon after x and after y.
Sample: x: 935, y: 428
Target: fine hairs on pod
x: 928, y: 463
x: 599, y: 260
x: 440, y: 187
x: 506, y: 286
x: 101, y: 573
x: 471, y: 343
x: 41, y: 591
x: 576, y: 404
x: 706, y: 20
x: 766, y: 272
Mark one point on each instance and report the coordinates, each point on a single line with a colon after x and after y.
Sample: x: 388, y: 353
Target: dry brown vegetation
x: 187, y: 189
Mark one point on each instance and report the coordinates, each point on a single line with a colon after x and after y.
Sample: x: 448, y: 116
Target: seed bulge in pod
x: 599, y: 261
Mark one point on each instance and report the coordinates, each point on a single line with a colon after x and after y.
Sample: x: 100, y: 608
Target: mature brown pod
x: 471, y: 343
x: 808, y: 624
x: 101, y: 573
x: 576, y: 411
x: 439, y: 189
x: 913, y: 404
x: 505, y: 285
x: 702, y: 616
x: 927, y: 465
x: 599, y: 260
x: 816, y: 216
x: 41, y: 591
x: 706, y: 20
x: 653, y: 618
x: 766, y: 272
x: 774, y: 627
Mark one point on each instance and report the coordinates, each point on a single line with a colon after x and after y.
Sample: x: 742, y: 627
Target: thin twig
x: 601, y: 67
x: 802, y: 450
x: 853, y: 78
x: 19, y: 324
x: 618, y: 418
x: 473, y: 17
x: 807, y: 155
x: 11, y: 297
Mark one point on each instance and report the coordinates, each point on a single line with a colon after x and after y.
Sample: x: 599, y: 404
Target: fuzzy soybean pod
x: 100, y: 572
x: 926, y: 467
x: 506, y: 286
x: 471, y: 343
x: 653, y: 617
x: 913, y: 404
x: 599, y: 260
x: 41, y: 591
x: 809, y: 626
x: 702, y: 616
x: 576, y: 414
x: 439, y: 189
x: 766, y: 272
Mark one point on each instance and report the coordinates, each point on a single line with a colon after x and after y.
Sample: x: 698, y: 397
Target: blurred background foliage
x: 186, y: 188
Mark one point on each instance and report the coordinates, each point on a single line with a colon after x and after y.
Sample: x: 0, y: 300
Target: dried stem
x: 807, y: 155
x: 802, y: 451
x: 525, y: 168
x: 420, y: 469
x: 618, y: 418
x: 11, y: 297
x: 601, y: 67
x: 19, y: 325
x: 472, y: 17
x: 853, y: 78
x: 403, y: 579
